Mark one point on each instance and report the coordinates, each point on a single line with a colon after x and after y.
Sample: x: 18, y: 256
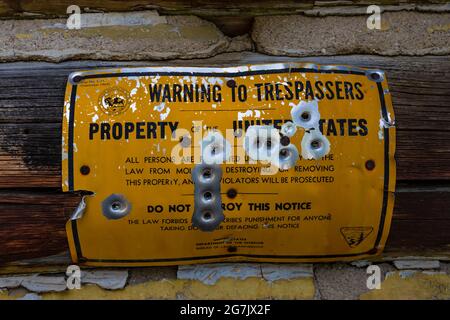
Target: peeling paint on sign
x: 307, y: 166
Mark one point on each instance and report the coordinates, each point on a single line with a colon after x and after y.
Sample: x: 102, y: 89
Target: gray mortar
x: 339, y: 281
x: 141, y: 275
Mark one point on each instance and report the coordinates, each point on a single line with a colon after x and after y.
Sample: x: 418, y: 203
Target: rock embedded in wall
x: 401, y: 33
x: 114, y: 36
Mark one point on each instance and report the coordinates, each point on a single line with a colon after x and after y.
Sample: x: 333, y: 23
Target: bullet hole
x: 232, y: 193
x: 206, y: 174
x: 284, y: 154
x: 84, y: 170
x: 285, y: 141
x: 207, y: 196
x: 207, y: 216
x: 306, y: 116
x: 116, y: 206
x: 316, y: 144
x: 370, y: 165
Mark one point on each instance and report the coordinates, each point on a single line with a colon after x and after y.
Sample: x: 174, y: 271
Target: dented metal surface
x: 116, y: 206
x: 208, y: 212
x: 305, y: 155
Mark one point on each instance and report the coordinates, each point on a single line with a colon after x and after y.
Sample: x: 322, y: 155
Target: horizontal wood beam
x: 48, y: 8
x: 32, y: 95
x: 33, y: 211
x: 32, y: 223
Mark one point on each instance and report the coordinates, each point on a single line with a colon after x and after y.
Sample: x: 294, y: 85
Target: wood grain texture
x: 233, y: 17
x: 32, y: 223
x: 47, y: 8
x: 32, y: 95
x: 33, y: 211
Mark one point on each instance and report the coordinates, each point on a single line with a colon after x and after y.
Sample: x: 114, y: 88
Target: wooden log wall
x: 33, y: 210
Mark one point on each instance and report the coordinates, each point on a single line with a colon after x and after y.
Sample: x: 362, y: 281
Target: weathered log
x: 32, y: 223
x: 32, y: 94
x: 31, y: 101
x: 47, y: 8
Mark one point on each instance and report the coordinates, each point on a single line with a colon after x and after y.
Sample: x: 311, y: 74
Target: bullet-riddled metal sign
x: 277, y: 162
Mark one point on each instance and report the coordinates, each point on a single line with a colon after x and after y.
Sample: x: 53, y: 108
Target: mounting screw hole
x: 231, y: 193
x: 77, y: 79
x: 370, y: 165
x: 231, y: 83
x: 375, y: 76
x: 84, y: 170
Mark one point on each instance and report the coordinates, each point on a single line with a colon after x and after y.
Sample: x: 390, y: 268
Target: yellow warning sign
x: 278, y: 162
